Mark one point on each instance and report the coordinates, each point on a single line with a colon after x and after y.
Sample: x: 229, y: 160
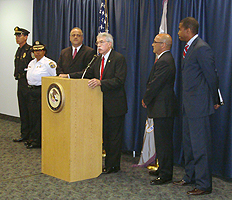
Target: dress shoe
x: 196, y: 191
x: 19, y: 139
x: 33, y: 145
x: 181, y: 183
x: 28, y: 142
x: 110, y: 170
x: 160, y: 181
x: 154, y: 173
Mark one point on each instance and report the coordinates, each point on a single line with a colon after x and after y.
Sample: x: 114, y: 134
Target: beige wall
x: 12, y: 13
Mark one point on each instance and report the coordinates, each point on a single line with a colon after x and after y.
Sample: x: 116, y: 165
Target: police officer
x: 39, y: 67
x: 22, y: 58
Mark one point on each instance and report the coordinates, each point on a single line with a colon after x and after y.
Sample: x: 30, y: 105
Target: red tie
x: 156, y: 60
x: 75, y: 52
x: 102, y: 67
x: 185, y: 50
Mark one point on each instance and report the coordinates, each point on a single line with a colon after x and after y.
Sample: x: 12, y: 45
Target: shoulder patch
x: 52, y: 65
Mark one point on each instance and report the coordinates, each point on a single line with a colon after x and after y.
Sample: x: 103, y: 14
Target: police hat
x: 38, y: 46
x: 20, y: 31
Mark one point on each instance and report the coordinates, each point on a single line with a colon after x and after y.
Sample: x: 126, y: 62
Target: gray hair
x: 109, y: 38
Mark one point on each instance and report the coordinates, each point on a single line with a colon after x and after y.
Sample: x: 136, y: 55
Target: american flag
x: 103, y: 24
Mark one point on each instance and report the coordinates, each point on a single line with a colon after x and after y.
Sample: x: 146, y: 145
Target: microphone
x: 88, y: 66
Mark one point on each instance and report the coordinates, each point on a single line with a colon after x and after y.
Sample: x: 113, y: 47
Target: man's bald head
x: 167, y: 39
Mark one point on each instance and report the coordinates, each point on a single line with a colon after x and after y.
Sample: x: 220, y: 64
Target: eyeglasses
x: 100, y: 42
x: 157, y: 42
x: 78, y: 35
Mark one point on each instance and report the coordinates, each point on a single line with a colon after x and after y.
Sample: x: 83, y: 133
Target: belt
x: 34, y: 86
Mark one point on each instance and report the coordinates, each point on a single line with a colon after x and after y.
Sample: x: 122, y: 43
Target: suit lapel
x: 70, y: 56
x: 190, y: 50
x: 151, y: 73
x: 77, y: 55
x: 110, y: 58
x: 98, y: 64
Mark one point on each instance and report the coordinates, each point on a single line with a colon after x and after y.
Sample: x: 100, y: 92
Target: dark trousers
x: 113, y: 128
x: 163, y: 130
x: 23, y: 101
x: 197, y: 151
x: 35, y: 114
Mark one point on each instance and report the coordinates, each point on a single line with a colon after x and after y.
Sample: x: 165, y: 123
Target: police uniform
x: 22, y: 58
x: 35, y: 71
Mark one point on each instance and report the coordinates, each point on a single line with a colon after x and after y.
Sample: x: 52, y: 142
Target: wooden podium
x: 71, y: 129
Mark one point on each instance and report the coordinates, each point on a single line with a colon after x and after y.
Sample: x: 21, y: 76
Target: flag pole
x: 106, y: 10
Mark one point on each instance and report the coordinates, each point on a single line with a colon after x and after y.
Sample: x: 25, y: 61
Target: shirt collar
x: 107, y: 55
x: 78, y: 48
x: 192, y: 39
x: 162, y: 53
x: 41, y: 60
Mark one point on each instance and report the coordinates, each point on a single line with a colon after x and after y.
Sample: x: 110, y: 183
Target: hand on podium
x: 94, y: 83
x: 63, y: 75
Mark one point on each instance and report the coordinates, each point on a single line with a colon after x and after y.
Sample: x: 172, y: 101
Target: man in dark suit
x: 159, y: 100
x: 200, y: 98
x: 75, y: 58
x: 109, y: 72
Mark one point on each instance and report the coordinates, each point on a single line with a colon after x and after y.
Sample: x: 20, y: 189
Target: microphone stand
x: 88, y: 66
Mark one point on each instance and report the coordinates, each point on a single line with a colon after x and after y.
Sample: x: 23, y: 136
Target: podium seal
x: 55, y: 97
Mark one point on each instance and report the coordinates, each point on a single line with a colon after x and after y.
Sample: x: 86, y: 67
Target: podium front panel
x: 72, y: 136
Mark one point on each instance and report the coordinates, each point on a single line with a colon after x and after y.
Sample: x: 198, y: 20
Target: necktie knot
x: 185, y: 50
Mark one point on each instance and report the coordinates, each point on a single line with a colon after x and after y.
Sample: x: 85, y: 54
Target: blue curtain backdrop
x: 134, y: 23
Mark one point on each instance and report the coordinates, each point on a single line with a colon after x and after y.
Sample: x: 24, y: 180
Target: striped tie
x: 185, y: 50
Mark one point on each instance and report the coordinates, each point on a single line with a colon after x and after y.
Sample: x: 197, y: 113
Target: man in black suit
x: 159, y: 100
x: 75, y: 58
x: 200, y: 98
x: 109, y: 72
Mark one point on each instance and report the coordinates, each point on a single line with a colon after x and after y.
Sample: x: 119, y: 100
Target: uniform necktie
x: 74, y: 54
x: 185, y: 50
x: 156, y: 60
x: 102, y: 67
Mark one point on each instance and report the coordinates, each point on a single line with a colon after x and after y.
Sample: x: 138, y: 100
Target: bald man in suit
x: 159, y: 99
x: 75, y: 58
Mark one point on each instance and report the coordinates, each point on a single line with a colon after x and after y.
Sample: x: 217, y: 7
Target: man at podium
x: 109, y: 72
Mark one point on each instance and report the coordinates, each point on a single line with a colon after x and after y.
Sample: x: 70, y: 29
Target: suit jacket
x: 67, y: 65
x: 199, y: 80
x: 159, y: 96
x: 112, y: 83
